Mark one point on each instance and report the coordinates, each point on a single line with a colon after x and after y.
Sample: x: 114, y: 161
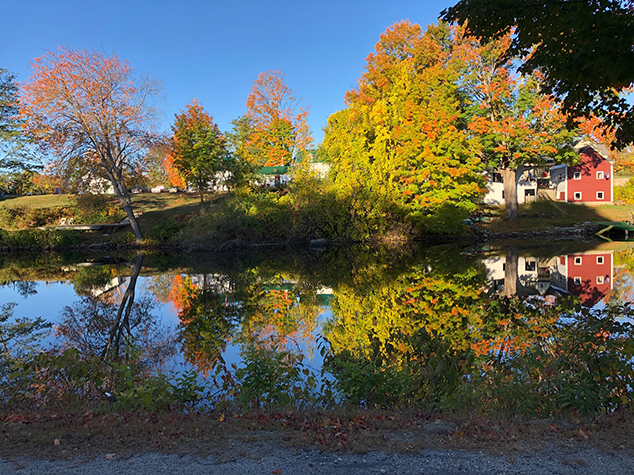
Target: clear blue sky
x: 213, y: 50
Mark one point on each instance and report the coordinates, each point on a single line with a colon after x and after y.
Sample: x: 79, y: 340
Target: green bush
x: 625, y: 193
x: 165, y: 230
x: 39, y: 238
x: 91, y: 209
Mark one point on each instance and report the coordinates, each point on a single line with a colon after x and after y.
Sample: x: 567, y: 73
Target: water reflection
x: 588, y: 275
x: 514, y: 329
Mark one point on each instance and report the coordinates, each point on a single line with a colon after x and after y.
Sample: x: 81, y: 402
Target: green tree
x: 199, y: 151
x: 400, y: 144
x: 583, y: 48
x: 14, y: 152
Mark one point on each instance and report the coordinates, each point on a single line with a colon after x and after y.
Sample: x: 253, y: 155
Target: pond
x: 530, y: 328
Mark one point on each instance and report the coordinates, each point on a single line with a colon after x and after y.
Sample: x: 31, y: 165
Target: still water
x: 533, y: 327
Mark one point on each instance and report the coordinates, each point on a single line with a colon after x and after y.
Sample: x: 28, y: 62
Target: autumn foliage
x: 279, y: 130
x: 80, y: 103
x: 399, y: 143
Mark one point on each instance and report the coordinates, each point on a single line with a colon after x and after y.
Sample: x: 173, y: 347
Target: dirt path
x: 273, y: 459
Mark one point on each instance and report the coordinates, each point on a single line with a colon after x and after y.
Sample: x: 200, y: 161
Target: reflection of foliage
x: 426, y: 297
x: 87, y: 325
x: 542, y: 359
x: 89, y: 278
x: 19, y: 335
x: 209, y: 321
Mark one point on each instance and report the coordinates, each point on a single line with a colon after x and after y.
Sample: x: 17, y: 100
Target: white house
x: 526, y: 187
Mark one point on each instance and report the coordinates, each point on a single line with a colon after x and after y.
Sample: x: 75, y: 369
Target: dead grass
x: 546, y: 214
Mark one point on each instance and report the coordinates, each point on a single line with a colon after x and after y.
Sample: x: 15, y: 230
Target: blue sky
x: 213, y: 50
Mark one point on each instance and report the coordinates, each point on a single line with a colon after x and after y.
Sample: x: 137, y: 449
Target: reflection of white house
x: 526, y: 187
x: 110, y: 285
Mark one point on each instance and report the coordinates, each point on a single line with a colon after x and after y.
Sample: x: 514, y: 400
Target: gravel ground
x: 273, y: 459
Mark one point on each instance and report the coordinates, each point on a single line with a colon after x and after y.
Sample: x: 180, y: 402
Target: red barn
x: 589, y: 182
x: 588, y: 276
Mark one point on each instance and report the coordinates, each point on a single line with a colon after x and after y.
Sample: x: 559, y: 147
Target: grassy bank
x: 258, y: 218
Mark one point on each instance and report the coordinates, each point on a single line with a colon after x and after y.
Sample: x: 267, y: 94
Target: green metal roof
x: 280, y: 170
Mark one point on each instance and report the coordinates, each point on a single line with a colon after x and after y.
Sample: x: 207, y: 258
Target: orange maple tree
x: 80, y: 103
x: 279, y: 130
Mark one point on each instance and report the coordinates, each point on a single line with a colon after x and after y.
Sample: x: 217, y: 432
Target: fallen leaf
x: 56, y: 442
x: 110, y: 456
x: 221, y: 418
x: 278, y: 471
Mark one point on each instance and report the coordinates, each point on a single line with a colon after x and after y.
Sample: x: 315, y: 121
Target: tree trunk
x: 122, y: 321
x: 510, y: 272
x: 509, y: 178
x: 116, y: 178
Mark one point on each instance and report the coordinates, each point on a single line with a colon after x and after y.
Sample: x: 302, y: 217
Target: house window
x: 599, y: 195
x: 530, y: 266
x: 578, y: 261
x: 600, y: 175
x: 600, y: 260
x: 577, y: 280
x: 577, y: 195
x: 576, y: 176
x: 599, y: 279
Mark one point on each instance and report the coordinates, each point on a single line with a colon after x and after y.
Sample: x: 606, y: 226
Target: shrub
x: 625, y: 194
x: 90, y: 209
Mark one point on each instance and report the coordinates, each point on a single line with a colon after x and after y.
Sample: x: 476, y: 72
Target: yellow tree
x: 400, y: 143
x: 81, y: 103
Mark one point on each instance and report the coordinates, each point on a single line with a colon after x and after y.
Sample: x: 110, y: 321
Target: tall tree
x: 583, y: 48
x: 515, y: 122
x: 199, y: 151
x: 400, y: 141
x: 81, y: 103
x: 14, y: 156
x: 280, y: 128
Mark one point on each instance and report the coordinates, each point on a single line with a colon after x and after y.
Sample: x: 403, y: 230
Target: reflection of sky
x: 50, y: 299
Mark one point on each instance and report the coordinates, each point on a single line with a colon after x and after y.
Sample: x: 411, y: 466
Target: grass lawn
x: 154, y: 207
x: 545, y: 214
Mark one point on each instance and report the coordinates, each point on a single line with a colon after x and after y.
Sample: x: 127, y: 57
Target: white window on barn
x: 600, y: 260
x: 599, y: 279
x: 577, y: 195
x: 600, y: 175
x: 577, y: 280
x: 578, y: 260
x: 599, y: 195
x: 576, y: 176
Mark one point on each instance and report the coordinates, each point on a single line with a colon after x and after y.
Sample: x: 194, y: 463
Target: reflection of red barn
x: 589, y: 276
x: 589, y: 182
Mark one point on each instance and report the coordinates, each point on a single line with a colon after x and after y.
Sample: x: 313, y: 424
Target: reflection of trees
x: 99, y: 325
x: 398, y: 339
x: 208, y: 322
x: 214, y: 312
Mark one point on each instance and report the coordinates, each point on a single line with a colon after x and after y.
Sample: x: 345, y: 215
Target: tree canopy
x: 86, y: 104
x: 583, y: 49
x: 515, y: 123
x: 400, y: 144
x: 279, y: 126
x: 199, y: 152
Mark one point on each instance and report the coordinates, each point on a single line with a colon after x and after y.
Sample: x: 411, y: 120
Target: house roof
x: 279, y: 170
x: 596, y: 146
